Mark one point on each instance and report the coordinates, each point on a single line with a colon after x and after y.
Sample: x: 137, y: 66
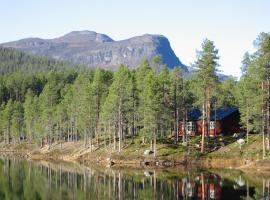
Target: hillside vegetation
x: 114, y: 108
x: 12, y: 60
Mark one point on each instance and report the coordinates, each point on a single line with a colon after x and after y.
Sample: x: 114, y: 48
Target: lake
x: 23, y: 179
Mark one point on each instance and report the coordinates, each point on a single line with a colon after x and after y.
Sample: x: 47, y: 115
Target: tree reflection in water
x: 21, y: 179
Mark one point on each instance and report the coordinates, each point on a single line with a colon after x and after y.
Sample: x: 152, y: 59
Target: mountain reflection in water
x: 22, y: 179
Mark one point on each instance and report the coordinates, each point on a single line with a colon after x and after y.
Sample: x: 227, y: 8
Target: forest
x: 45, y: 101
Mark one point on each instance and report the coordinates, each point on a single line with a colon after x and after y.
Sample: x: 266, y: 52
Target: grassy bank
x: 228, y: 153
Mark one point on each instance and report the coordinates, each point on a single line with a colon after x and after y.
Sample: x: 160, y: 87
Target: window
x: 212, y: 125
x: 190, y: 126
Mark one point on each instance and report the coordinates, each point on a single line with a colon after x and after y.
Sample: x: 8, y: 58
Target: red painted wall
x: 228, y: 125
x: 198, y: 129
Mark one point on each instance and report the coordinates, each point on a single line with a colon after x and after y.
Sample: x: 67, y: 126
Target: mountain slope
x: 95, y: 49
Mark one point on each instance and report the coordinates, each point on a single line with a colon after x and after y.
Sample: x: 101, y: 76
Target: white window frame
x: 190, y: 127
x: 212, y: 124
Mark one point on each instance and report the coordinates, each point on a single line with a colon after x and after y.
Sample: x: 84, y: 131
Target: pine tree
x: 152, y: 106
x: 225, y: 93
x: 245, y: 63
x: 86, y: 117
x: 117, y: 104
x: 206, y: 73
x: 7, y: 117
x: 178, y: 99
x: 143, y: 70
x: 2, y: 122
x: 99, y: 91
x: 30, y: 112
x: 17, y: 121
x: 48, y: 101
x: 165, y: 83
x: 133, y: 106
x: 263, y: 61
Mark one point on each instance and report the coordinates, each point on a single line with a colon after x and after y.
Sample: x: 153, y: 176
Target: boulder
x: 147, y: 152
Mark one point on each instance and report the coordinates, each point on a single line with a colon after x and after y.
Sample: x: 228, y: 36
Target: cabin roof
x: 220, y: 113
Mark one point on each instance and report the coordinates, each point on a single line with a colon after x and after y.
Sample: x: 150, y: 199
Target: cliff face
x: 95, y: 49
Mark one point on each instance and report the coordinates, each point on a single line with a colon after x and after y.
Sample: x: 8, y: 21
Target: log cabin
x: 223, y: 121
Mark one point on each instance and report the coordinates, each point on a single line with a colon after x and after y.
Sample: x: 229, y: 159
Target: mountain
x: 95, y: 49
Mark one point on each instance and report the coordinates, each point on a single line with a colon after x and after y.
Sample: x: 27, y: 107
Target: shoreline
x: 83, y: 156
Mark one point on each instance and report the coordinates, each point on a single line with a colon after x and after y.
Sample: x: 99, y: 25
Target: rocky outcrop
x: 95, y: 49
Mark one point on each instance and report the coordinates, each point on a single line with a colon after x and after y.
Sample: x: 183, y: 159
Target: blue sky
x: 231, y: 24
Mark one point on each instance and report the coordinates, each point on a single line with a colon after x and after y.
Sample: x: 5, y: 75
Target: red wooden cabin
x: 222, y: 121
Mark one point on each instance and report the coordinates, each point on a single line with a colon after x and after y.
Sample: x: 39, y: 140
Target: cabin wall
x: 211, y: 131
x: 198, y: 129
x: 226, y: 126
x: 231, y: 124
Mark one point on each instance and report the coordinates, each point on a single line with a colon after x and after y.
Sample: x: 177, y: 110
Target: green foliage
x: 12, y: 60
x: 17, y: 120
x: 225, y: 93
x: 45, y: 100
x: 250, y: 95
x: 152, y: 107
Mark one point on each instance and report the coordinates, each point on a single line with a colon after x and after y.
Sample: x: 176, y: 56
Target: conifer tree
x: 263, y: 61
x: 17, y: 121
x: 178, y: 98
x: 99, y: 91
x: 7, y: 117
x: 116, y: 106
x: 48, y: 101
x: 30, y: 114
x: 165, y: 84
x: 206, y: 73
x: 143, y: 70
x: 152, y: 106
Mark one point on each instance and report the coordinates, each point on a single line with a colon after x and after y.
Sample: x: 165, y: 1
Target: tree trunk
x: 268, y: 113
x: 247, y: 121
x: 119, y: 125
x: 97, y: 136
x: 91, y: 137
x: 263, y: 122
x: 85, y: 139
x: 208, y: 113
x: 114, y: 140
x: 175, y: 115
x: 155, y: 143
x: 184, y: 122
x: 177, y: 125
x: 203, y: 128
x: 61, y: 136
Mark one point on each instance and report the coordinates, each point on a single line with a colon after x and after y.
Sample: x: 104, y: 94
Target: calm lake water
x: 22, y: 179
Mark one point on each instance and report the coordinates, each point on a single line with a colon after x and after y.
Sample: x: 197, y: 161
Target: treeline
x: 253, y: 90
x: 104, y: 106
x: 12, y: 60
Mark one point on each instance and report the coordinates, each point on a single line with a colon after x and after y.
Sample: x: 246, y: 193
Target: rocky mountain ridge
x: 96, y: 49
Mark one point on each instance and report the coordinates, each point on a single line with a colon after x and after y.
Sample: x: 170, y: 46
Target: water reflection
x: 21, y: 179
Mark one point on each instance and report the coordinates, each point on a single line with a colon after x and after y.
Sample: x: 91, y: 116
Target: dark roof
x: 220, y: 113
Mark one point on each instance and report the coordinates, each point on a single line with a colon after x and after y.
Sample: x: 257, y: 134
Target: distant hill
x: 221, y: 77
x: 12, y: 60
x: 95, y: 49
